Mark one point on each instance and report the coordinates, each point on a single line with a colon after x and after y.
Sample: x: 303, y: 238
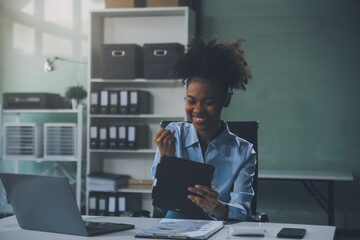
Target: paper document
x: 182, y: 229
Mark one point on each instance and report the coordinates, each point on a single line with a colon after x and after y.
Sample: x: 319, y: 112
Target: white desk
x: 10, y: 230
x: 307, y: 178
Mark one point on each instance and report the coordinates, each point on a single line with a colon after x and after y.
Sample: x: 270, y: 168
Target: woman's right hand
x: 165, y: 141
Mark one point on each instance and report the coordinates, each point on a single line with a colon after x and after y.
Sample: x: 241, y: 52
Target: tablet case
x: 173, y: 177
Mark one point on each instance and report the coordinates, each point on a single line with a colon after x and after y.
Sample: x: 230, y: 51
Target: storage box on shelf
x: 165, y: 97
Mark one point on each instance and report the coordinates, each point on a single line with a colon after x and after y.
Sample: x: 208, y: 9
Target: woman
x: 211, y: 71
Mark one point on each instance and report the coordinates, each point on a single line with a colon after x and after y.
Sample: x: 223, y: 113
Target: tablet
x: 173, y: 177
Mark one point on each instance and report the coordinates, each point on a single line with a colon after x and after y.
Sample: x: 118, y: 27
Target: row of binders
x: 113, y: 203
x: 119, y: 137
x: 120, y: 102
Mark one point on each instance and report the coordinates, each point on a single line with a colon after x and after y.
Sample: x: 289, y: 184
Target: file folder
x: 94, y: 102
x: 139, y: 102
x: 94, y: 139
x: 103, y: 204
x: 103, y: 137
x: 112, y: 205
x: 93, y: 203
x: 104, y: 102
x: 124, y: 102
x: 114, y: 102
x: 138, y: 136
x: 121, y: 204
x: 183, y: 229
x: 113, y: 137
x: 122, y: 137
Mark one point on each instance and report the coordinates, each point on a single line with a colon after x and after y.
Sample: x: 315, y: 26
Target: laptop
x: 44, y: 203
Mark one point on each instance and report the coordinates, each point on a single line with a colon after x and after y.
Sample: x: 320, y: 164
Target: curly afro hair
x: 223, y: 64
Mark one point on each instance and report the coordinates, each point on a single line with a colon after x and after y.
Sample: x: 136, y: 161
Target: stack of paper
x: 182, y: 229
x: 107, y: 182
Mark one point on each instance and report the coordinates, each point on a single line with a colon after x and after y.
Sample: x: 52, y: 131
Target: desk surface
x: 10, y: 230
x: 306, y: 175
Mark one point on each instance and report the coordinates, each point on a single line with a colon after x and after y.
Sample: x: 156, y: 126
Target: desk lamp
x: 49, y: 64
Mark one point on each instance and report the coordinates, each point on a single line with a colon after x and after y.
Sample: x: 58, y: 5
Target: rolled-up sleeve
x: 242, y: 193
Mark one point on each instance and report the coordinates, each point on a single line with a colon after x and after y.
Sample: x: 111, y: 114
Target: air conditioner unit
x: 60, y: 141
x: 22, y: 141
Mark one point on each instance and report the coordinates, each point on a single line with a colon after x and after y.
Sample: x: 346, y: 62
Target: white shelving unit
x: 79, y: 127
x: 136, y: 26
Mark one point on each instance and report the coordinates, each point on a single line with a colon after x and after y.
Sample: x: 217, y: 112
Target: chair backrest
x: 248, y: 130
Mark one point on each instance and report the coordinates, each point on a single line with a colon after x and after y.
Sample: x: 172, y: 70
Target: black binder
x: 173, y: 177
x: 114, y: 102
x: 122, y: 137
x: 93, y: 203
x: 113, y: 137
x: 94, y: 137
x: 123, y: 102
x: 103, y: 204
x: 104, y: 102
x: 103, y: 137
x: 94, y: 102
x: 139, y: 102
x: 137, y: 136
x: 112, y: 206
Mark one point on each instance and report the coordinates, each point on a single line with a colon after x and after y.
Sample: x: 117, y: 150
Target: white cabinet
x: 136, y: 26
x: 57, y: 135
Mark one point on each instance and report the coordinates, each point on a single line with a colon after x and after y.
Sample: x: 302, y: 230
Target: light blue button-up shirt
x: 234, y: 160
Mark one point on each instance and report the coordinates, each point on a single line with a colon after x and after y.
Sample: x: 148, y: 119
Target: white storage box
x: 22, y: 141
x: 60, y: 141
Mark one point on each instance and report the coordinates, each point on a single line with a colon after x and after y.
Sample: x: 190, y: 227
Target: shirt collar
x: 192, y: 136
x: 217, y: 143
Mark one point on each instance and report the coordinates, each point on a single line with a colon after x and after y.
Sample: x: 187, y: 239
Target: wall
x: 304, y: 92
x: 304, y: 58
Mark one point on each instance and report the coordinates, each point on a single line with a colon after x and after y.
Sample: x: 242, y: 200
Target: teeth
x: 199, y: 119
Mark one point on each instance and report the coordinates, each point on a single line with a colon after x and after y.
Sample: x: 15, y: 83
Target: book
x: 140, y: 183
x: 181, y: 229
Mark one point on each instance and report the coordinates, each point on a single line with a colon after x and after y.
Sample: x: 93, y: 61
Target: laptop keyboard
x: 101, y: 225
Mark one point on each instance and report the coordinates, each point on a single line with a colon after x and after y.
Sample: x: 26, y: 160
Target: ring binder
x: 104, y: 102
x: 114, y: 102
x: 94, y: 102
x: 103, y: 137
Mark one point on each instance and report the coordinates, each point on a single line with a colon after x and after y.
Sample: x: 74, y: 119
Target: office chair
x: 247, y: 130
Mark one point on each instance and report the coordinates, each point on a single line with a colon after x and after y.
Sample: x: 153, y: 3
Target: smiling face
x: 204, y: 103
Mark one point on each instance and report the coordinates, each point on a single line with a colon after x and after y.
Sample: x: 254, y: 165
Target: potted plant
x: 75, y: 93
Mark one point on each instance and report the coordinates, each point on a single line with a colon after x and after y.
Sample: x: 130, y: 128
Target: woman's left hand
x: 209, y: 197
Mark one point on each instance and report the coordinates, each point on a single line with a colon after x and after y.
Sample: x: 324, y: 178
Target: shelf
x: 15, y: 111
x: 124, y: 150
x: 36, y: 140
x: 128, y: 190
x: 137, y: 26
x: 112, y: 84
x: 59, y: 159
x: 149, y: 116
x: 141, y: 12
